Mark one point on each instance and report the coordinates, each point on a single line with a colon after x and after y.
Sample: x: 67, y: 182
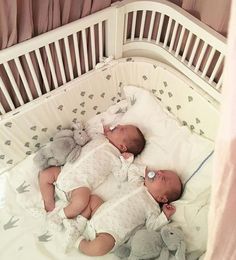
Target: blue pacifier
x: 151, y: 175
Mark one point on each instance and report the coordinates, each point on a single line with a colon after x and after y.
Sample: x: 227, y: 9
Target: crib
x: 80, y: 69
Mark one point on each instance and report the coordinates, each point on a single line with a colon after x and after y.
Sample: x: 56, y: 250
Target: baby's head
x: 127, y: 138
x: 165, y: 186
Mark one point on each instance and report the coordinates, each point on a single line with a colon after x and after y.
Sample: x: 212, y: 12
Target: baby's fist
x: 169, y: 210
x: 127, y: 155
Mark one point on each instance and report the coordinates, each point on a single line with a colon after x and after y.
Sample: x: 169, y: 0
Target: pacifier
x: 111, y: 127
x: 151, y: 175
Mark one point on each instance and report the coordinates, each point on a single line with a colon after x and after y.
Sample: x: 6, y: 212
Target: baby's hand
x: 127, y: 155
x: 169, y: 210
x: 106, y: 129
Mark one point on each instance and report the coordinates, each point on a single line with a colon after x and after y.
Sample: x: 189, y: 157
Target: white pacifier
x: 112, y: 127
x: 151, y: 175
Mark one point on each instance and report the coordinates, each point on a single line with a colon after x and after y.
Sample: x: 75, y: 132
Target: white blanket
x: 23, y: 218
x: 23, y: 222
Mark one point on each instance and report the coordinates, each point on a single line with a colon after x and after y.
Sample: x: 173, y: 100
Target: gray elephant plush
x: 164, y: 245
x: 65, y: 147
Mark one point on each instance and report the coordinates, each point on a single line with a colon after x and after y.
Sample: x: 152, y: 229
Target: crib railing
x: 37, y: 66
x: 184, y: 41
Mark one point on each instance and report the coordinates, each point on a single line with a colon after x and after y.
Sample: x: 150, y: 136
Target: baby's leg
x: 94, y: 203
x: 46, y: 179
x: 78, y: 202
x: 101, y: 245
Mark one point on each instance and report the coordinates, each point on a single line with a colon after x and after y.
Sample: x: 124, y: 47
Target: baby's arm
x: 121, y: 172
x: 156, y: 220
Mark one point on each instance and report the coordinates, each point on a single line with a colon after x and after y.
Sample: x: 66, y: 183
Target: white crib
x: 151, y: 41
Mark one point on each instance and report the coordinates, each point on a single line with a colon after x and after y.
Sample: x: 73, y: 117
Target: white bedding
x: 23, y: 218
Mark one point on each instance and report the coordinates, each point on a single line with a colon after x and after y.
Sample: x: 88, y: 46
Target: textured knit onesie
x: 131, y: 208
x: 97, y: 160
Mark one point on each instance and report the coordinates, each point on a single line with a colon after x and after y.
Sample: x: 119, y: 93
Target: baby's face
x: 119, y: 135
x: 162, y: 184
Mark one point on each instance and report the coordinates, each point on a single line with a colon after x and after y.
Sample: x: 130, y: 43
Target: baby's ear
x: 123, y: 148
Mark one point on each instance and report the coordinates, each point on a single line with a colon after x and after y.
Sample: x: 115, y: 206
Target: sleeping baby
x: 97, y: 160
x: 135, y: 205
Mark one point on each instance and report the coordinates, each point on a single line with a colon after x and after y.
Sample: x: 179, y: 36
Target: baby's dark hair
x: 137, y: 144
x: 175, y: 194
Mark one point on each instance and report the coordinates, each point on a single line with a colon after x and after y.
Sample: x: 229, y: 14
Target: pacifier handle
x: 151, y: 175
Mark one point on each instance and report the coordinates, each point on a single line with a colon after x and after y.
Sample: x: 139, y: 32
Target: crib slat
x: 126, y: 27
x: 69, y: 62
x: 218, y: 85
x: 13, y: 83
x: 142, y: 25
x: 160, y: 28
x: 208, y: 63
x: 59, y: 56
x: 93, y: 45
x: 151, y: 26
x: 201, y: 57
x: 77, y: 54
x: 187, y: 46
x: 133, y: 25
x: 23, y: 78
x: 212, y: 77
x: 6, y: 94
x: 43, y: 73
x: 167, y: 32
x: 180, y: 41
x: 54, y: 78
x: 193, y: 53
x: 173, y: 36
x: 2, y: 110
x: 100, y: 41
x: 85, y: 50
x: 32, y: 71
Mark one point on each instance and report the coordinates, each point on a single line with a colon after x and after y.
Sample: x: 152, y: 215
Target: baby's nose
x: 160, y: 173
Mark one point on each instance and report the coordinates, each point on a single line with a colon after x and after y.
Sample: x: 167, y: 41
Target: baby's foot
x: 73, y: 230
x: 54, y: 220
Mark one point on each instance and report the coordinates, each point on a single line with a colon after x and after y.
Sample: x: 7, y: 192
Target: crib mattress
x: 24, y: 231
x: 23, y: 220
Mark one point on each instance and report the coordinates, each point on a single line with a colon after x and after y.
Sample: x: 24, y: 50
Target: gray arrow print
x: 45, y: 237
x: 23, y: 188
x: 11, y: 223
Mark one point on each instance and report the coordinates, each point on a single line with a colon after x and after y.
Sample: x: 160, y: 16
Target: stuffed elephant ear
x: 195, y: 255
x: 122, y: 251
x: 173, y: 237
x: 180, y: 253
x: 165, y: 254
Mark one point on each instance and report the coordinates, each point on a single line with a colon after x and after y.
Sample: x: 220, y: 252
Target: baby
x: 137, y: 204
x: 97, y: 160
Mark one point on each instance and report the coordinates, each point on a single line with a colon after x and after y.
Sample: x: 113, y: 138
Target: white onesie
x: 97, y: 160
x: 130, y: 209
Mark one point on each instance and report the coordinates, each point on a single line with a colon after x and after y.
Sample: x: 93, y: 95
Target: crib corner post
x: 114, y: 33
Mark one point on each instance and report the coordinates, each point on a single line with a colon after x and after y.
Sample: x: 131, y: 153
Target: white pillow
x: 172, y: 146
x: 168, y: 144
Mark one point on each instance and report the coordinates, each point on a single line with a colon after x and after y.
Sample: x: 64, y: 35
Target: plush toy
x: 164, y: 245
x: 65, y: 147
